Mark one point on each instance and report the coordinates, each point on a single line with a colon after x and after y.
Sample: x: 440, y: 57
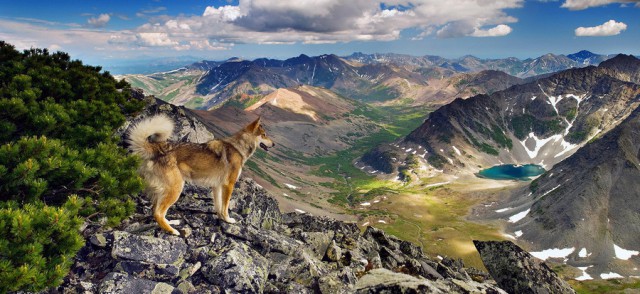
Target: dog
x: 167, y: 165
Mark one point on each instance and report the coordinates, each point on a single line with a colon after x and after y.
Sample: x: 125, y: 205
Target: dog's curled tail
x: 148, y: 131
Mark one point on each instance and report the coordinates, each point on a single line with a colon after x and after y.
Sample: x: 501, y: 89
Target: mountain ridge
x: 376, y: 78
x: 539, y: 122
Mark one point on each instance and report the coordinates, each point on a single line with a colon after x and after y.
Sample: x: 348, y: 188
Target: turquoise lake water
x: 512, y: 172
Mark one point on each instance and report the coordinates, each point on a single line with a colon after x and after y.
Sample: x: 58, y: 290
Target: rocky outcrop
x: 516, y: 271
x: 187, y: 127
x: 266, y: 251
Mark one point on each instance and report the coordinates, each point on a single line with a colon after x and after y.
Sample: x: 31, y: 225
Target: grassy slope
x: 434, y: 218
x: 616, y: 286
x: 395, y: 122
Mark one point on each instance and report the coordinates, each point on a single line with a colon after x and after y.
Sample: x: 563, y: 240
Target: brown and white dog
x: 167, y: 165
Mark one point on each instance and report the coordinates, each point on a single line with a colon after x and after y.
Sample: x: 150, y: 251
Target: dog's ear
x: 252, y: 127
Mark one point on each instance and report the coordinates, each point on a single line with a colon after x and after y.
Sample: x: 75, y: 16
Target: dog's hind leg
x: 175, y: 183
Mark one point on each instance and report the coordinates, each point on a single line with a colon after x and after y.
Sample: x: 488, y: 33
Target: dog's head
x: 258, y: 131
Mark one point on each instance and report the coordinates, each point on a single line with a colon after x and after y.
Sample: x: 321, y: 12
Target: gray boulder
x: 517, y: 271
x: 147, y: 249
x: 385, y: 281
x: 118, y: 283
x: 238, y: 269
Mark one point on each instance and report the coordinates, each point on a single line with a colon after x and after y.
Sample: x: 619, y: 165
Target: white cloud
x: 584, y: 4
x: 205, y: 45
x: 275, y: 22
x: 100, y: 21
x: 155, y: 39
x: 225, y: 13
x: 609, y: 28
x: 332, y: 21
x: 497, y: 31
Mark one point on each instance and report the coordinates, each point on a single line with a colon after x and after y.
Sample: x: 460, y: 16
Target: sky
x: 103, y: 32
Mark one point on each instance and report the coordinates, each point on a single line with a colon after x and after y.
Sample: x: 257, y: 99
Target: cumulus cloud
x: 497, y: 31
x: 331, y: 21
x: 100, y: 21
x: 609, y: 28
x: 155, y: 39
x: 224, y: 13
x: 584, y: 4
x: 295, y: 21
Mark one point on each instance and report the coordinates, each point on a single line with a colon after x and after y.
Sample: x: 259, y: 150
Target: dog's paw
x: 231, y: 220
x: 175, y: 232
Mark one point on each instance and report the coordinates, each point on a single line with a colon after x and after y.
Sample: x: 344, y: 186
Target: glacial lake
x: 512, y: 172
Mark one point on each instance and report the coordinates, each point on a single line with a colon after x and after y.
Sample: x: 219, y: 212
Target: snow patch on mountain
x: 624, y: 254
x: 553, y: 253
x: 517, y: 217
x: 585, y: 276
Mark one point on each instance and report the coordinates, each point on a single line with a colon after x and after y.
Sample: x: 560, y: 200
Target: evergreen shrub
x: 59, y: 161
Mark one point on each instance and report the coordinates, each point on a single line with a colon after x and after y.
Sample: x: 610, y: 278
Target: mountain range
x: 540, y: 122
x: 380, y: 78
x: 582, y: 126
x: 516, y: 67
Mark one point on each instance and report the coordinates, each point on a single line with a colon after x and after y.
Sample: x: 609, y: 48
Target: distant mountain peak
x: 469, y: 56
x: 622, y: 59
x: 586, y: 57
x: 584, y: 53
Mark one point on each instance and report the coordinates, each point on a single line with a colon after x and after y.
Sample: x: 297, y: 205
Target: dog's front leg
x: 227, y: 190
x: 227, y: 187
x: 217, y: 199
x: 221, y: 202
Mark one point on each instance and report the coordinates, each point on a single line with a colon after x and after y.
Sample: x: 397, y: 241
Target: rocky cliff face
x: 541, y: 122
x: 267, y: 251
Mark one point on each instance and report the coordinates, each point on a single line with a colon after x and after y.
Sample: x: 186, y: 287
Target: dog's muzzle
x: 263, y: 146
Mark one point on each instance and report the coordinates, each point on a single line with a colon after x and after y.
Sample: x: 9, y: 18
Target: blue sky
x: 113, y: 32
